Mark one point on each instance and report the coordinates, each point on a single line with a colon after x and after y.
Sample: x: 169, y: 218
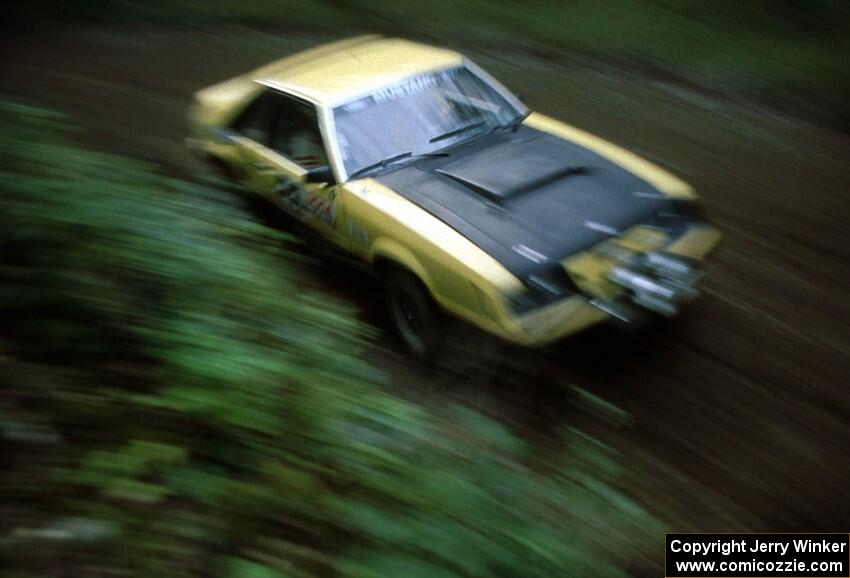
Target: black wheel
x: 412, y: 313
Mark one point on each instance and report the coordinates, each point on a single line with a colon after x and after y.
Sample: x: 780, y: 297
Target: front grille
x: 660, y: 282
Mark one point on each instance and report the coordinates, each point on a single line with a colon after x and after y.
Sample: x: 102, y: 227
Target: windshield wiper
x: 512, y: 124
x: 380, y: 164
x: 390, y: 160
x: 456, y: 131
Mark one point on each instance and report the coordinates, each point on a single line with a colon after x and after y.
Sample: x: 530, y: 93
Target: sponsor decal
x: 303, y: 202
x: 409, y: 87
x: 530, y: 253
x: 358, y: 234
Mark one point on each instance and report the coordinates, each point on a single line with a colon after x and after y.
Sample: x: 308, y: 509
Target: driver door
x: 280, y: 143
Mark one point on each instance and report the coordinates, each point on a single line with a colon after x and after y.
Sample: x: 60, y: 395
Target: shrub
x: 177, y: 403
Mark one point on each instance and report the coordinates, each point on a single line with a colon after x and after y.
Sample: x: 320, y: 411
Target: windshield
x: 418, y: 116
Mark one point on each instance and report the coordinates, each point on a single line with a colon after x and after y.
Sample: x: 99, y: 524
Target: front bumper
x: 659, y: 282
x: 650, y: 282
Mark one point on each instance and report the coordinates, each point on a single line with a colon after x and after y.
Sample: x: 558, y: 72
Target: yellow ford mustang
x: 418, y: 162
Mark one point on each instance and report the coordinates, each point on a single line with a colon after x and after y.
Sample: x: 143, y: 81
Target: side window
x: 286, y: 125
x: 296, y: 133
x: 256, y: 121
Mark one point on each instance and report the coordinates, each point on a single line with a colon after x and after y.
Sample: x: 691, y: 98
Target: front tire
x: 413, y: 315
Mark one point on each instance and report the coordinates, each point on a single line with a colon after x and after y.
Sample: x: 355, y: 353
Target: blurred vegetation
x: 175, y: 402
x: 792, y: 54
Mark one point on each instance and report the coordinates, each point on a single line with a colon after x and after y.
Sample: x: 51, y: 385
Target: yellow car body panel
x: 460, y: 276
x: 698, y: 242
x: 378, y: 225
x: 329, y: 74
x: 371, y: 63
x: 665, y: 182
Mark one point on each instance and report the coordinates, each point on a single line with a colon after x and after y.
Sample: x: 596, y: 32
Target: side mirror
x: 322, y: 174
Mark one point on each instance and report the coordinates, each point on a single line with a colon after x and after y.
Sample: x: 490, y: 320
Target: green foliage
x: 177, y: 403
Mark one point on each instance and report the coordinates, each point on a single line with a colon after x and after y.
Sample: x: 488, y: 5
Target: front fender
x: 392, y: 250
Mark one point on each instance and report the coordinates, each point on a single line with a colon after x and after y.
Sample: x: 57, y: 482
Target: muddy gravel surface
x: 736, y: 416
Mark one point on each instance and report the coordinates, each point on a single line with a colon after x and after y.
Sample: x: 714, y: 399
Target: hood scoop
x: 512, y: 194
x: 510, y: 169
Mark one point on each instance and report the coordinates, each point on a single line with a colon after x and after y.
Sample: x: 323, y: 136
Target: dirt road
x: 740, y: 409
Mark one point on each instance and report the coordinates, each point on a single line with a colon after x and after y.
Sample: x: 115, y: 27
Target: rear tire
x: 413, y: 315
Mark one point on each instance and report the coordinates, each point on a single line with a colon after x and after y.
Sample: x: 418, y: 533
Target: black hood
x: 528, y: 198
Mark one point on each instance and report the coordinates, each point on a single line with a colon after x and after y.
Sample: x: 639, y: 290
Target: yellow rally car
x: 418, y: 162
